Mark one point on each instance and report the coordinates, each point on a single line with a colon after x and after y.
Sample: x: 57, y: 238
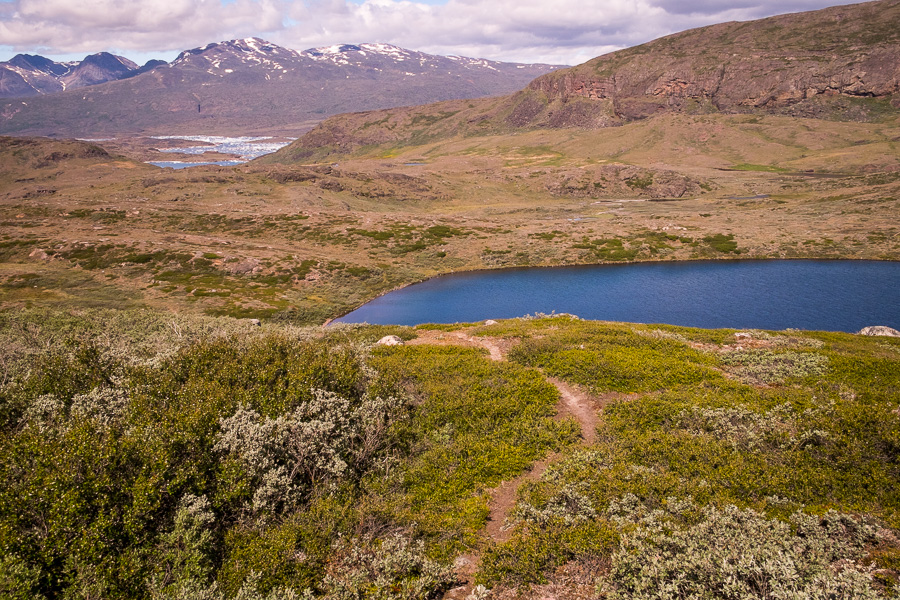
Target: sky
x: 565, y: 32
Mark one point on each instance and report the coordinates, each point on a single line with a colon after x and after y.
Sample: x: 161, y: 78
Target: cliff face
x: 771, y: 64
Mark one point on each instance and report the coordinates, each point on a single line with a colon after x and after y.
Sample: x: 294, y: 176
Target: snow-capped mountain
x: 367, y: 60
x: 250, y: 85
x: 27, y: 75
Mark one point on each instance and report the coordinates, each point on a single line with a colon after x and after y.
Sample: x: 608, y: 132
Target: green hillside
x: 146, y: 455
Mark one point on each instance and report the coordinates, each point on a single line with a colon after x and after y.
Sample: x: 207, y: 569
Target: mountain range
x: 27, y: 75
x: 246, y: 85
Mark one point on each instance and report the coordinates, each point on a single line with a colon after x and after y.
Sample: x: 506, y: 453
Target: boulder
x: 878, y: 330
x: 389, y: 340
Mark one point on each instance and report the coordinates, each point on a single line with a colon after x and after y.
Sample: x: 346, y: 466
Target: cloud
x: 64, y: 26
x: 564, y: 31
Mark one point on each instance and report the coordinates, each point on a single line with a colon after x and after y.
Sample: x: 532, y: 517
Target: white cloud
x: 66, y: 26
x: 564, y: 31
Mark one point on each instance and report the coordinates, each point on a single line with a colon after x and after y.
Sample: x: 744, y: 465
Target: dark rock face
x: 98, y: 68
x: 772, y: 65
x: 13, y: 85
x: 27, y: 75
x: 34, y: 62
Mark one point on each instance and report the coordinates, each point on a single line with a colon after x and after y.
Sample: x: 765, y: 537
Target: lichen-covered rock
x: 389, y: 340
x: 879, y: 330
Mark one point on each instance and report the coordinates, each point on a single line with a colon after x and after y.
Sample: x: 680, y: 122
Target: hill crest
x: 840, y: 63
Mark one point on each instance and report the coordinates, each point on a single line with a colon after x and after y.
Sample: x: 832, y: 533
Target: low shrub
x: 683, y: 551
x: 767, y: 367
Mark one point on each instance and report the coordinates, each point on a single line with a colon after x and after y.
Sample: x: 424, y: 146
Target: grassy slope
x: 116, y: 483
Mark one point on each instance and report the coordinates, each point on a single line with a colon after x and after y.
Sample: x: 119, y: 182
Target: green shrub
x: 535, y: 551
x: 18, y: 579
x: 721, y: 242
x: 687, y: 552
x: 630, y: 363
x: 323, y: 441
x: 396, y: 568
x: 185, y: 566
x: 164, y: 456
x: 767, y: 367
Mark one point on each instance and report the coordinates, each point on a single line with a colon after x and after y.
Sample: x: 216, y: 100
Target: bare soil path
x: 494, y: 346
x: 579, y: 405
x: 573, y: 401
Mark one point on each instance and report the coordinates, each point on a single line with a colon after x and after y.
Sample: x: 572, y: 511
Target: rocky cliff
x: 786, y: 64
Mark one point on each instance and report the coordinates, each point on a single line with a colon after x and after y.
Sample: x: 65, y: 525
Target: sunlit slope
x: 834, y: 65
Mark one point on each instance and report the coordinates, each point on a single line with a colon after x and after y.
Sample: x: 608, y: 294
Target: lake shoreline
x: 504, y: 271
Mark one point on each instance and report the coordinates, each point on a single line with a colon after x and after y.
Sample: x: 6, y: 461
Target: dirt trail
x: 503, y: 499
x: 573, y: 401
x: 579, y: 405
x: 460, y: 338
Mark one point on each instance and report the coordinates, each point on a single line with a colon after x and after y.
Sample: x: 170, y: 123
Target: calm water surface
x: 824, y: 295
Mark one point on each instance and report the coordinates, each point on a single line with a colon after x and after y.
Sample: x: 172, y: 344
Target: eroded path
x: 494, y: 346
x: 579, y: 405
x: 573, y: 402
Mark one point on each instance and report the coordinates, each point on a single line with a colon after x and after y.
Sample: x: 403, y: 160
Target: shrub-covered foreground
x: 734, y: 465
x: 165, y: 457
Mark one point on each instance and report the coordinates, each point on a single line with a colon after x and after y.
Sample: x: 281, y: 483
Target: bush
x: 767, y: 367
x: 687, y: 552
x: 534, y: 551
x: 321, y: 442
x: 394, y: 569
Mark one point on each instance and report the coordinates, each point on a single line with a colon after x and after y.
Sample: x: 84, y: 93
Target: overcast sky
x: 552, y: 31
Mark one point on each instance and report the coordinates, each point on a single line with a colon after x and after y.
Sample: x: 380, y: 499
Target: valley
x: 181, y: 417
x: 311, y: 241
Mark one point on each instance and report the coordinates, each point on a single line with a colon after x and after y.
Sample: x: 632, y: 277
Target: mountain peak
x: 110, y: 62
x: 255, y: 44
x: 36, y: 62
x: 254, y: 48
x: 251, y: 80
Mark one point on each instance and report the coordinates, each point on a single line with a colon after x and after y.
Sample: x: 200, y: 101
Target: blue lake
x: 777, y: 294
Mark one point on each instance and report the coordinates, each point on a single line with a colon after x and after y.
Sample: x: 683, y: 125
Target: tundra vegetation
x: 150, y: 455
x: 156, y: 443
x: 302, y: 243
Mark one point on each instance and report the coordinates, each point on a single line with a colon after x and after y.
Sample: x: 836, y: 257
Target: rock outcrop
x: 879, y: 330
x: 783, y: 64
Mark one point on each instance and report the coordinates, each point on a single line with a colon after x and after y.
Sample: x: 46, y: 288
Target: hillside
x: 156, y: 455
x: 789, y: 64
x: 253, y: 86
x: 840, y: 63
x: 180, y: 419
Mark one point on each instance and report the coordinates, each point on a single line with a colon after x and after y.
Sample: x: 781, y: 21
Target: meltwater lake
x: 833, y: 295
